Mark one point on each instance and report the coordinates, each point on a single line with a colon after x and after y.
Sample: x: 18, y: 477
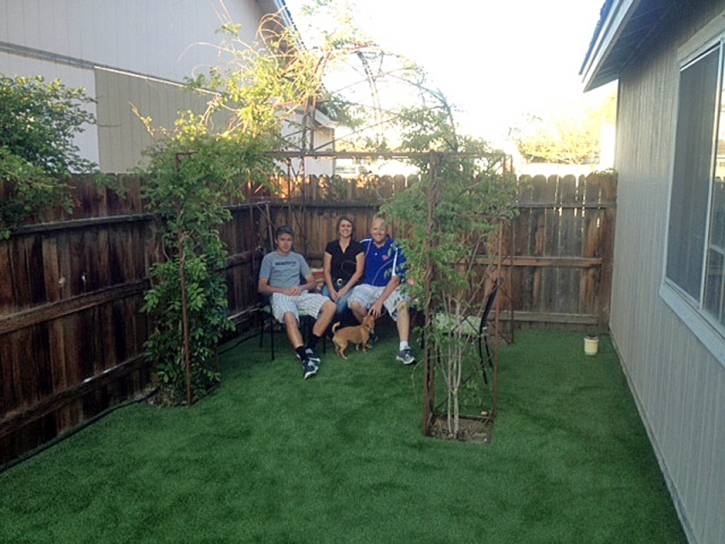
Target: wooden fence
x: 71, y: 287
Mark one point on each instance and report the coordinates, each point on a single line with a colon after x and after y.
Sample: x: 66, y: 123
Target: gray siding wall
x: 134, y: 52
x: 167, y: 39
x: 121, y: 134
x: 678, y: 384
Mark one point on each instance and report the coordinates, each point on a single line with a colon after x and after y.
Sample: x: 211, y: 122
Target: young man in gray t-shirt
x: 279, y: 278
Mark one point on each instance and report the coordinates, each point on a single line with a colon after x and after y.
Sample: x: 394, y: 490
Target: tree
x: 37, y: 152
x: 451, y: 215
x: 363, y: 85
x: 193, y: 169
x: 572, y: 136
x: 453, y: 209
x: 187, y: 181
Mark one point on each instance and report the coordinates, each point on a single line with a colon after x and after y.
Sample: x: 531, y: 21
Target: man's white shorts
x: 366, y: 295
x: 309, y: 303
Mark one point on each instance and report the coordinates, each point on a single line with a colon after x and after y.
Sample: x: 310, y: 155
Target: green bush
x: 187, y: 181
x: 37, y: 151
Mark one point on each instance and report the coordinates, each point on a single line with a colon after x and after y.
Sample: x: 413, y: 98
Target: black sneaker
x: 312, y: 356
x: 406, y: 356
x: 310, y: 368
x: 372, y: 340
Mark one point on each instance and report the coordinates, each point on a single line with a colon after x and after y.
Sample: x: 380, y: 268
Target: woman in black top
x: 343, y: 265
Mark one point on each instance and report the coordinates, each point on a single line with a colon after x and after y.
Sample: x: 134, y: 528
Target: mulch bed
x: 473, y: 429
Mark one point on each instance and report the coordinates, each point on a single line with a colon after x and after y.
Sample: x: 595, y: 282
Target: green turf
x: 340, y: 458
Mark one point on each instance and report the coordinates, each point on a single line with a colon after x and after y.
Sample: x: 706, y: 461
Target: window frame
x: 700, y: 183
x: 692, y: 311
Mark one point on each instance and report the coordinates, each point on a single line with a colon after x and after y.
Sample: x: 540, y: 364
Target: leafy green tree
x: 452, y: 210
x: 37, y: 153
x: 569, y: 137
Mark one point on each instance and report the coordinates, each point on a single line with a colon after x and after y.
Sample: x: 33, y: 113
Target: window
x: 696, y: 240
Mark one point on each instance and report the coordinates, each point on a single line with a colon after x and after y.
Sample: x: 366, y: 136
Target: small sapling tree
x: 451, y: 214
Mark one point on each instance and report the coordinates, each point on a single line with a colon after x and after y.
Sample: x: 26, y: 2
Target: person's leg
x: 403, y: 322
x: 397, y: 307
x: 342, y: 308
x: 361, y: 299
x: 324, y: 310
x: 326, y: 293
x: 344, y: 314
x: 327, y: 312
x: 357, y: 310
x: 341, y: 301
x: 284, y: 309
x: 293, y: 330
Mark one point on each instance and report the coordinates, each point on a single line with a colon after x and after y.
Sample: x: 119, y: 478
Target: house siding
x: 134, y: 52
x: 678, y: 384
x: 117, y: 122
x: 166, y: 39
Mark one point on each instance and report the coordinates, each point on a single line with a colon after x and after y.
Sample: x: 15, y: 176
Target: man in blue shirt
x: 279, y: 278
x: 382, y: 286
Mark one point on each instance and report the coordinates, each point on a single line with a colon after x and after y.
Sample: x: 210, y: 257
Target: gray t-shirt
x: 283, y: 271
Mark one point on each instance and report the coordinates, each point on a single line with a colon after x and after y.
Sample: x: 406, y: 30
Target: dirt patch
x: 160, y: 398
x: 477, y: 430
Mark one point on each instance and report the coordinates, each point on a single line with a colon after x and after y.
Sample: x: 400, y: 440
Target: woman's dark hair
x: 340, y: 220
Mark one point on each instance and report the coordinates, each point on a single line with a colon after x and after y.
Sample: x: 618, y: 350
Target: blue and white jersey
x: 382, y: 263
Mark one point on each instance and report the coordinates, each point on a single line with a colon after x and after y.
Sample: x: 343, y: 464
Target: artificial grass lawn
x: 270, y: 457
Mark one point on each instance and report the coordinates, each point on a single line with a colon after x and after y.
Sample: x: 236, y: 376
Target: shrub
x: 37, y: 151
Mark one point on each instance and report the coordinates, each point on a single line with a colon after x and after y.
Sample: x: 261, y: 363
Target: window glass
x: 692, y: 172
x: 714, y: 286
x: 714, y: 291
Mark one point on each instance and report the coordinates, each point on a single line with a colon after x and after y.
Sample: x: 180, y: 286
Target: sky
x: 497, y: 61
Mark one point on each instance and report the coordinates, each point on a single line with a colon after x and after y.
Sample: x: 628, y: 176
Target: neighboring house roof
x: 624, y: 25
x: 277, y: 6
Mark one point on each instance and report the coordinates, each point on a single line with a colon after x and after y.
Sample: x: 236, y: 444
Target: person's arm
x: 327, y: 270
x: 311, y: 284
x: 376, y: 310
x: 359, y: 270
x: 264, y: 288
x: 305, y: 271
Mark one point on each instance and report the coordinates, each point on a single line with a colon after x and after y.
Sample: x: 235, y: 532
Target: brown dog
x: 357, y: 335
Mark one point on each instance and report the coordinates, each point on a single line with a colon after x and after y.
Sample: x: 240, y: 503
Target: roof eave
x: 595, y: 70
x: 624, y: 28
